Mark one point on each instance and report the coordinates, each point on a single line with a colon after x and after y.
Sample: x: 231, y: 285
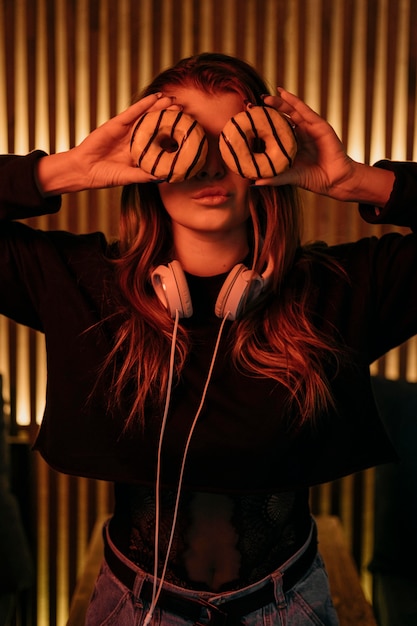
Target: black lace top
x: 221, y: 542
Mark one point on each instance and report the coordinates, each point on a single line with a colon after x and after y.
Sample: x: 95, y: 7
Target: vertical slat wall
x: 68, y: 65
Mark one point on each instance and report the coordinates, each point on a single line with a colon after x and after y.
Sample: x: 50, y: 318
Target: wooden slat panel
x: 68, y: 65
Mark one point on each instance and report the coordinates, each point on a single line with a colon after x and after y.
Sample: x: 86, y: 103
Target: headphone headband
x: 241, y: 287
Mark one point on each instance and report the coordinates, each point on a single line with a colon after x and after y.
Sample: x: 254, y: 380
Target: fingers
x: 134, y: 175
x: 165, y: 102
x: 105, y: 152
x: 154, y: 102
x: 289, y: 104
x: 289, y: 177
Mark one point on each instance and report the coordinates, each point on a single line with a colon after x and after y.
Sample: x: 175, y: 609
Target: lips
x: 208, y: 192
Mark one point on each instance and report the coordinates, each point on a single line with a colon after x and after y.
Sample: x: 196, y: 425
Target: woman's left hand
x: 321, y: 164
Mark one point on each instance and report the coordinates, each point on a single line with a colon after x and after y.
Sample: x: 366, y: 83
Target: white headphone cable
x: 158, y: 466
x: 156, y: 592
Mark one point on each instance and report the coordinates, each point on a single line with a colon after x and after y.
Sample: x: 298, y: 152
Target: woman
x: 212, y: 429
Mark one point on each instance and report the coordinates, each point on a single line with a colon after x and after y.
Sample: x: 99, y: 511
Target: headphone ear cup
x: 170, y: 285
x: 240, y: 287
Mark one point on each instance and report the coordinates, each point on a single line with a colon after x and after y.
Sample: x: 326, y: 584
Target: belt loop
x: 137, y: 586
x: 279, y: 594
x: 216, y: 618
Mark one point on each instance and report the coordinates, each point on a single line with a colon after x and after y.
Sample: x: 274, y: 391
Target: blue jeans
x: 307, y: 603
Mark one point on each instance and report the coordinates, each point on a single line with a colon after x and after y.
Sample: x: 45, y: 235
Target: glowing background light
x: 66, y: 67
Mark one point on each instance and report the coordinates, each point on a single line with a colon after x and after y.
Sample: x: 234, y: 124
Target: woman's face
x: 215, y: 201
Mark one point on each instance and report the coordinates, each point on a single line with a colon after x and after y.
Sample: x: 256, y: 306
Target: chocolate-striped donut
x: 169, y: 144
x: 258, y: 143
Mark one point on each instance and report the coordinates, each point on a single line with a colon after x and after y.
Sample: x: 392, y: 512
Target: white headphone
x: 241, y: 287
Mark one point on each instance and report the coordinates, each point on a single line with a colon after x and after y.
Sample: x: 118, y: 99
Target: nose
x: 214, y: 167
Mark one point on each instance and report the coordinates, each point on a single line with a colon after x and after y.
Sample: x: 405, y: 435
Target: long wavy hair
x: 275, y: 338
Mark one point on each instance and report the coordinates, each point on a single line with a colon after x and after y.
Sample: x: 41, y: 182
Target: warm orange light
x: 3, y: 92
x: 65, y: 98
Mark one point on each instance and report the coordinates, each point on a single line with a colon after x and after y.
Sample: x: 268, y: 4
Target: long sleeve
x: 401, y: 208
x: 20, y: 196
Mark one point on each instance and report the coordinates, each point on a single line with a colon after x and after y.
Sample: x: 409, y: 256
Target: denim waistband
x: 224, y: 608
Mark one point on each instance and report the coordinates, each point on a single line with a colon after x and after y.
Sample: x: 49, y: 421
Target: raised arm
x: 31, y: 185
x: 20, y: 195
x: 322, y: 165
x: 103, y: 159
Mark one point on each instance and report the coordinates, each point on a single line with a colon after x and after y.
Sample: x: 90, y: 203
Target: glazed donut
x: 258, y: 143
x: 169, y: 144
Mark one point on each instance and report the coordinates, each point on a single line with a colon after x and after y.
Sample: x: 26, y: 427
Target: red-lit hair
x: 279, y: 340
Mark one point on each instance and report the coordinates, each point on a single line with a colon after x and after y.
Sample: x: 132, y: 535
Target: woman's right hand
x: 103, y: 158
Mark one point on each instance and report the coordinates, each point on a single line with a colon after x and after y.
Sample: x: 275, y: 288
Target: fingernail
x: 248, y: 104
x: 158, y: 94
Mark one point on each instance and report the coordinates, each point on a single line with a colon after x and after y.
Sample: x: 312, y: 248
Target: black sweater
x: 63, y: 285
